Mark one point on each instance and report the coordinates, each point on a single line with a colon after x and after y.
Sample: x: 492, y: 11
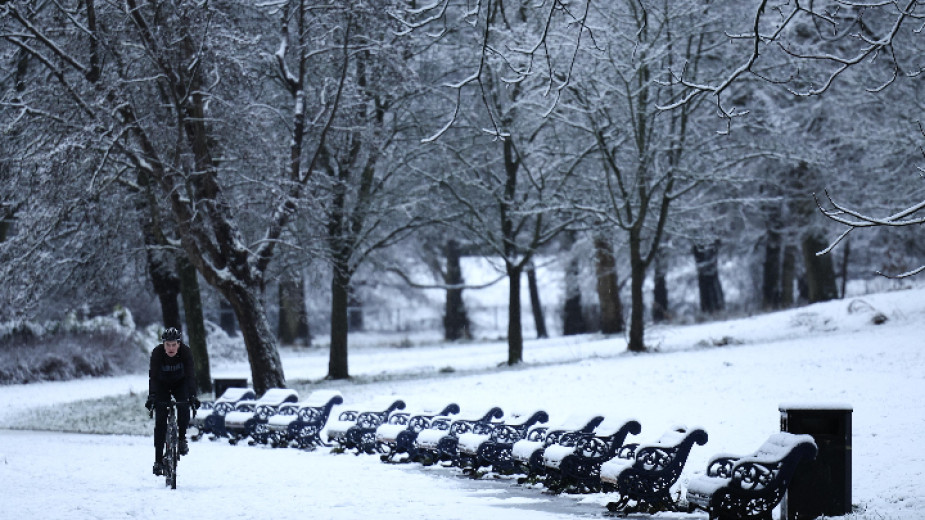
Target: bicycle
x: 172, y: 446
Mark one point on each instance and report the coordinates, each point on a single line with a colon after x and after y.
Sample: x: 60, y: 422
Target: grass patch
x: 117, y: 415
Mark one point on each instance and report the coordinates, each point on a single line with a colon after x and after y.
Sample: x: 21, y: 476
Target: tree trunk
x: 538, y: 318
x: 846, y: 253
x: 771, y: 283
x: 340, y: 296
x: 293, y: 320
x: 354, y: 311
x: 608, y: 289
x: 574, y: 320
x: 163, y: 271
x: 226, y: 318
x: 455, y: 319
x: 266, y: 367
x: 788, y: 276
x: 195, y: 324
x: 820, y: 273
x: 515, y: 339
x: 659, y: 291
x: 711, y: 289
x: 637, y: 310
x: 6, y: 221
x: 167, y: 287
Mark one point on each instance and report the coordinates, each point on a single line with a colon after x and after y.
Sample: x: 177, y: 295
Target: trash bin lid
x: 839, y: 407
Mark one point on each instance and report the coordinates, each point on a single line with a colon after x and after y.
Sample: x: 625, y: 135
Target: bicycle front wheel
x: 173, y: 470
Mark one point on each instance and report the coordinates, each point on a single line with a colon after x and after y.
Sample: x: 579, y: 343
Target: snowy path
x: 90, y: 476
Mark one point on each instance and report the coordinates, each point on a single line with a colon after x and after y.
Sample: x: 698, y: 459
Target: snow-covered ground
x: 727, y: 377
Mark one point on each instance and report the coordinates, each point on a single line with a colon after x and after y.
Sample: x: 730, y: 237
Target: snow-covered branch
x: 854, y: 219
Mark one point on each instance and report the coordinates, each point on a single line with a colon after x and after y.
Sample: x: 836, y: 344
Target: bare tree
x: 164, y: 99
x: 809, y: 47
x: 644, y: 152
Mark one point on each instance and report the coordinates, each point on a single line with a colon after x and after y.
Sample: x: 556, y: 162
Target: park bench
x: 249, y: 418
x: 210, y: 419
x: 527, y: 453
x: 439, y: 442
x: 300, y: 424
x: 750, y: 487
x: 493, y: 449
x: 397, y: 436
x: 645, y: 475
x: 356, y: 430
x: 574, y: 464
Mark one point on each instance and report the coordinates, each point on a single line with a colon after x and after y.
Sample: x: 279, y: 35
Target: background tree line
x: 194, y: 150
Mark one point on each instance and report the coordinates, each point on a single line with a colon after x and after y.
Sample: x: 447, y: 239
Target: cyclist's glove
x: 149, y: 404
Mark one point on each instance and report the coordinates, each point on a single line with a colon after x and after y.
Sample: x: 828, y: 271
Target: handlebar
x: 172, y: 404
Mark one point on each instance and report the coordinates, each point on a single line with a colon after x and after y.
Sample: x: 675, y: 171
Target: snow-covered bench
x: 300, y: 424
x: 439, y: 442
x: 750, y: 487
x: 211, y: 415
x: 646, y: 477
x: 397, y: 436
x: 356, y: 430
x: 249, y: 418
x: 527, y: 453
x: 478, y: 450
x: 576, y: 464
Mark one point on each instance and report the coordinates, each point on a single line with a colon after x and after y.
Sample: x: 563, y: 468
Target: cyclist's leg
x: 183, y: 413
x: 160, y: 425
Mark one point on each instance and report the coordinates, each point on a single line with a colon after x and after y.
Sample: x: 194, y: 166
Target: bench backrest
x: 278, y: 396
x: 778, y: 458
x: 514, y: 429
x: 317, y: 408
x: 605, y: 440
x: 322, y: 398
x: 669, y: 454
x: 417, y: 420
x: 374, y: 418
x: 479, y: 423
x: 234, y: 394
x: 580, y: 426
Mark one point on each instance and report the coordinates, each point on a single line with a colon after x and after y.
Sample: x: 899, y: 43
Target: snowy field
x: 727, y: 377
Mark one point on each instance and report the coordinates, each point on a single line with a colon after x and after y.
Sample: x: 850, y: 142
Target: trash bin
x: 821, y: 486
x: 220, y: 385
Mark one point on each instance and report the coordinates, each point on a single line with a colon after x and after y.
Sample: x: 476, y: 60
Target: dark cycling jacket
x: 172, y: 372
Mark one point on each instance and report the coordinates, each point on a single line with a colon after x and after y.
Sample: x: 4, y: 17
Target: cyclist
x: 171, y: 373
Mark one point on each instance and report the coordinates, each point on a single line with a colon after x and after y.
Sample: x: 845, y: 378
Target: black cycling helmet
x: 171, y: 334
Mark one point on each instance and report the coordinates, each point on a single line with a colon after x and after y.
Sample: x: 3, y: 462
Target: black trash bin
x: 821, y: 486
x: 219, y: 385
